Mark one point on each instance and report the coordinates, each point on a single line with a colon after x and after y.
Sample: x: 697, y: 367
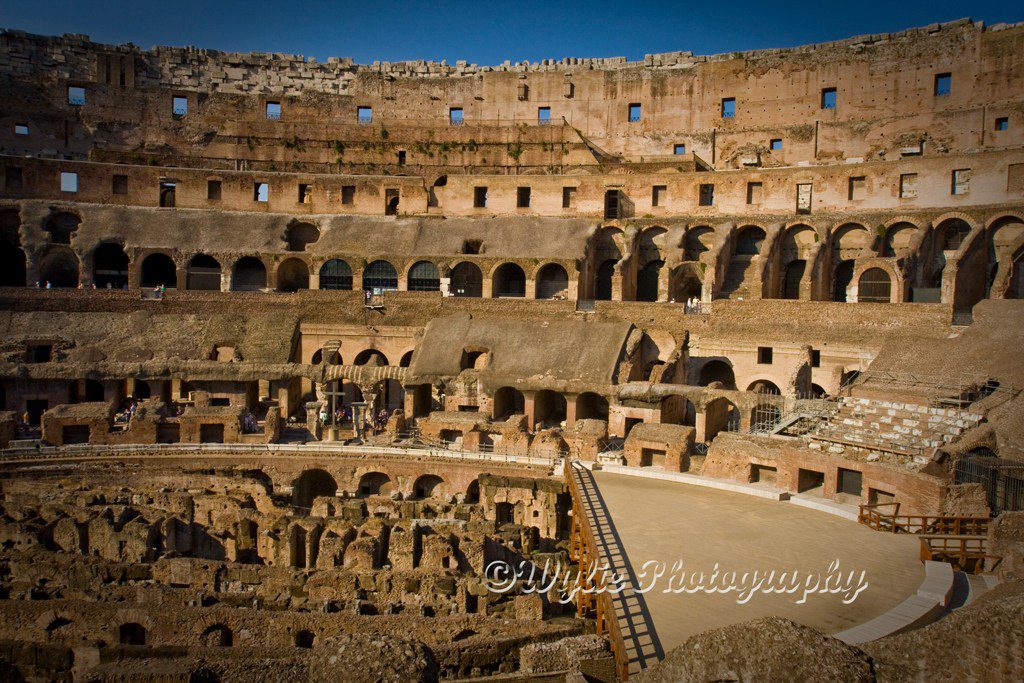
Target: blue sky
x: 485, y: 32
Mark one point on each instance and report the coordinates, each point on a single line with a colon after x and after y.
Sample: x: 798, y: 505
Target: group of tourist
x: 123, y: 417
x: 693, y: 305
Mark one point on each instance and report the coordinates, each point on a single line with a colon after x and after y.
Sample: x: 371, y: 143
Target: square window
x: 856, y: 188
x: 679, y: 149
x: 755, y: 190
x: 815, y: 358
x: 364, y: 114
x: 76, y: 95
x: 348, y: 194
x: 120, y: 184
x: 828, y: 98
x: 522, y: 197
x: 764, y: 355
x: 305, y: 193
x: 455, y: 116
x: 479, y: 197
x: 12, y: 178
x: 728, y: 107
x: 775, y: 145
x: 261, y: 192
x: 707, y: 194
x: 960, y: 181
x: 908, y: 185
x: 659, y: 195
x: 273, y: 110
x: 568, y: 197
x: 1002, y: 123
x: 634, y: 112
x: 20, y: 129
x: 543, y: 115
x: 68, y: 182
x: 943, y: 84
x: 213, y: 190
x: 179, y: 106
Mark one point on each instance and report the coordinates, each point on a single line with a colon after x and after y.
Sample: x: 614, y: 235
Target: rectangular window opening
x: 348, y: 194
x: 522, y: 197
x: 611, y: 204
x: 305, y: 193
x: 543, y: 115
x: 568, y: 197
x: 803, y: 197
x: 179, y: 106
x: 828, y: 98
x: 908, y: 185
x: 764, y: 355
x: 815, y: 358
x: 775, y: 145
x: 120, y: 184
x: 659, y: 195
x: 707, y: 194
x: 1002, y: 123
x: 856, y: 187
x: 273, y: 111
x: 76, y: 95
x: 68, y: 182
x: 364, y: 114
x: 943, y: 84
x: 261, y: 192
x: 961, y: 181
x: 728, y: 107
x: 213, y: 190
x: 679, y: 149
x: 20, y: 129
x: 755, y: 190
x: 455, y: 116
x: 479, y: 197
x: 634, y: 112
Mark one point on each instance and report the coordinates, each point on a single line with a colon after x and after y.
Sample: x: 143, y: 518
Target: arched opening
x: 218, y: 635
x: 248, y: 275
x: 749, y: 241
x: 473, y: 492
x: 951, y: 234
x: 685, y: 284
x: 603, y: 280
x: 59, y: 268
x: 62, y: 227
x: 874, y: 286
x: 898, y: 238
x: 158, y: 270
x: 374, y: 484
x: 763, y: 386
x: 292, y: 275
x: 94, y: 390
x: 849, y: 242
x: 467, y: 280
x: 717, y: 371
x: 423, y: 277
x: 57, y: 624
x: 548, y: 409
x: 842, y: 279
x: 509, y: 281
x: 791, y: 279
x: 203, y: 273
x: 697, y: 241
x: 406, y: 360
x: 310, y: 485
x: 552, y: 282
x: 380, y: 276
x: 720, y: 415
x: 428, y: 486
x: 647, y: 281
x: 336, y: 274
x: 591, y: 406
x: 300, y: 235
x: 370, y: 357
x: 131, y: 634
x: 508, y: 402
x: 305, y: 639
x: 818, y: 392
x: 110, y: 266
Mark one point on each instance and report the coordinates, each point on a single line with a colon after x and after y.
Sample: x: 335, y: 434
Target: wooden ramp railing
x: 621, y: 616
x: 960, y: 541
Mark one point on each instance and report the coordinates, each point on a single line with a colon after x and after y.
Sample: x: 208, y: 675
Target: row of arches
x: 315, y: 483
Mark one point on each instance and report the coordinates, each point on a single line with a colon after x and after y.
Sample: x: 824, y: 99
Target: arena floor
x: 668, y: 521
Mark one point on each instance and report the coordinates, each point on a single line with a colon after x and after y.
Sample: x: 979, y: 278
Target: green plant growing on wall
x: 338, y: 147
x: 515, y: 150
